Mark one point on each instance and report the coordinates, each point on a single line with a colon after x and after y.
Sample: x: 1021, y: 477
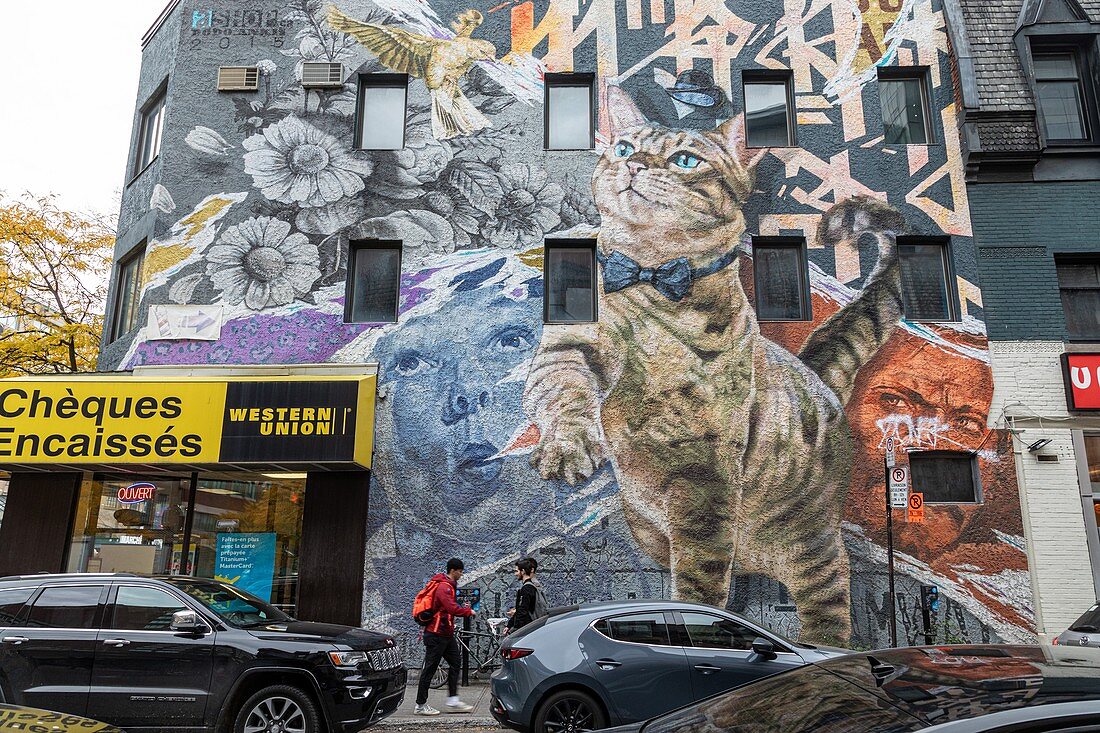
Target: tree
x: 54, y: 268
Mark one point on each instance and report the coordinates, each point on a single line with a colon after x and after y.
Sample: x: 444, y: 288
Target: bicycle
x: 470, y: 641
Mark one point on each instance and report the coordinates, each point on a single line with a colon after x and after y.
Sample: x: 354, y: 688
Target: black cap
x: 455, y: 564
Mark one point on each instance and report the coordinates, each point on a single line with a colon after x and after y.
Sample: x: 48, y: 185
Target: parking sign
x: 899, y: 487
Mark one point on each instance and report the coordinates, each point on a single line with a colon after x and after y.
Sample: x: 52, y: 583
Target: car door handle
x: 116, y: 642
x: 707, y: 668
x: 14, y: 639
x: 606, y: 664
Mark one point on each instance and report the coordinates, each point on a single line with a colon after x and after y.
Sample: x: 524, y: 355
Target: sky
x: 68, y: 87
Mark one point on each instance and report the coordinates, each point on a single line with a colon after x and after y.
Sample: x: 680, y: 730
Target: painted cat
x: 730, y: 451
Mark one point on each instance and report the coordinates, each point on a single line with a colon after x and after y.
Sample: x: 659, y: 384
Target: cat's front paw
x: 569, y: 452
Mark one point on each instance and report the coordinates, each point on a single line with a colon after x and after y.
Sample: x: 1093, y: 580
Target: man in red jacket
x: 439, y: 641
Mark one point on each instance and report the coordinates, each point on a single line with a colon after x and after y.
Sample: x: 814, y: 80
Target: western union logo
x: 294, y: 420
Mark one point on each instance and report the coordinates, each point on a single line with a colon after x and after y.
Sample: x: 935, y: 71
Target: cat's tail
x: 839, y: 348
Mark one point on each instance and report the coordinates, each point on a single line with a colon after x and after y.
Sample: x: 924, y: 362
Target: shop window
x: 72, y: 607
x: 926, y: 291
x: 1092, y: 460
x: 638, y: 628
x: 945, y: 477
x: 11, y: 604
x: 128, y: 293
x: 779, y: 274
x: 713, y: 632
x: 569, y: 112
x: 1061, y: 93
x: 144, y: 609
x: 570, y: 272
x: 769, y: 118
x: 150, y: 131
x: 374, y: 282
x: 1079, y: 286
x: 903, y: 96
x: 382, y: 111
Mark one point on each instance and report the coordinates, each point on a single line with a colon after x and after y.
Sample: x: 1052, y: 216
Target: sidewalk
x: 476, y: 694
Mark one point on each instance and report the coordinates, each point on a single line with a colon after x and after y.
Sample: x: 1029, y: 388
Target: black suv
x: 187, y: 653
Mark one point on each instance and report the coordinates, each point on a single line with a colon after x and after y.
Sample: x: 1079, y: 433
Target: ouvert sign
x: 202, y: 420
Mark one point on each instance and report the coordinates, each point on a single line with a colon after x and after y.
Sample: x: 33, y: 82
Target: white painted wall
x: 1028, y: 394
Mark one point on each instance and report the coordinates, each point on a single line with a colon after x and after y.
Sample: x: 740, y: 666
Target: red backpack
x: 424, y: 603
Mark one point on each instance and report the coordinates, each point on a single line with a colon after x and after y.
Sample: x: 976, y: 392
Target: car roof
x: 604, y: 607
x: 65, y: 577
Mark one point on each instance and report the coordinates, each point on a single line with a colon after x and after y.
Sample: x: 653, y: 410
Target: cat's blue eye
x: 687, y: 161
x: 624, y: 149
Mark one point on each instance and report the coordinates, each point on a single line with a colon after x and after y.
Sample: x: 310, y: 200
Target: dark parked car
x: 963, y: 689
x: 1085, y: 631
x: 187, y: 653
x: 591, y: 666
x: 19, y: 718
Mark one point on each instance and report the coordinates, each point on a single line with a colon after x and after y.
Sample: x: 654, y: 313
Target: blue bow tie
x: 673, y: 279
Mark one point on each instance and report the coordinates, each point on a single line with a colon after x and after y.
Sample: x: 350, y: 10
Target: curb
x: 433, y: 722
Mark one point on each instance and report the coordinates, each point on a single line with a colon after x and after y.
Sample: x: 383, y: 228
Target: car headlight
x: 347, y: 659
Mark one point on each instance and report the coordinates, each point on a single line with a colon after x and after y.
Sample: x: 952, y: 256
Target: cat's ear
x: 733, y: 133
x: 622, y: 113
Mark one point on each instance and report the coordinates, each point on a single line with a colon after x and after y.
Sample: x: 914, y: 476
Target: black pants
x: 438, y: 647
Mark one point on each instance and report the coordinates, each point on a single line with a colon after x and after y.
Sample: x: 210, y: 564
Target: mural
x: 680, y: 446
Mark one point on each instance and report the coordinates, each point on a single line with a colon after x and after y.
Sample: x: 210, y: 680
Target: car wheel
x: 569, y: 711
x: 278, y: 709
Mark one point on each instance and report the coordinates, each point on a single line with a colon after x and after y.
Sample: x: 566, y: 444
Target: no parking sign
x: 916, y: 508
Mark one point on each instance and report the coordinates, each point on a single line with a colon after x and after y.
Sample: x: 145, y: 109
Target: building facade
x: 650, y: 288
x: 1030, y: 126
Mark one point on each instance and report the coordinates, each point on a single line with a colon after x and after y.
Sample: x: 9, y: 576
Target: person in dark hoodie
x: 526, y: 597
x: 439, y: 641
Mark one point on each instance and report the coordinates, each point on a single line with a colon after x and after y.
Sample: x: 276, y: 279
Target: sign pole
x: 890, y: 552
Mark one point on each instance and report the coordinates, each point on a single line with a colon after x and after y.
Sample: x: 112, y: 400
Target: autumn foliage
x: 54, y: 268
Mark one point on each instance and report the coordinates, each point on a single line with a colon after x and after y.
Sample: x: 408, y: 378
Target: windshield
x: 1090, y: 622
x: 233, y: 605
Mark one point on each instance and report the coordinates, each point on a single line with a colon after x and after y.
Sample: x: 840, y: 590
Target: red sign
x: 916, y: 508
x: 135, y: 493
x: 1081, y: 373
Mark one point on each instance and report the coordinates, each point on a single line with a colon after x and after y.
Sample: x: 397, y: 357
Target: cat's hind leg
x: 701, y: 538
x: 817, y: 574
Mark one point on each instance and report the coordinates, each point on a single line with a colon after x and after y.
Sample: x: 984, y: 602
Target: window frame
x: 354, y: 247
x: 159, y: 99
x: 569, y: 79
x: 771, y: 76
x: 108, y: 621
x: 975, y: 469
x: 671, y: 625
x: 1075, y: 259
x: 20, y: 619
x: 1041, y: 45
x: 805, y: 295
x: 137, y: 252
x: 951, y: 284
x: 580, y: 243
x: 379, y: 79
x: 97, y: 617
x: 690, y: 643
x: 905, y: 73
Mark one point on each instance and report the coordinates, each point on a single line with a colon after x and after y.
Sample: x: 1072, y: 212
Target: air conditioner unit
x: 322, y: 74
x: 238, y: 79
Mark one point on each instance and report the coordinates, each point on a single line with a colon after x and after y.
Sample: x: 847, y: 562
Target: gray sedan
x: 589, y: 667
x: 1085, y: 631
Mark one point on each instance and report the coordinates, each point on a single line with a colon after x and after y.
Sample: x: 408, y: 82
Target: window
x: 768, y: 117
x: 152, y: 125
x: 570, y: 272
x: 782, y: 288
x: 904, y: 99
x: 128, y: 293
x: 11, y: 603
x: 569, y: 112
x: 144, y: 609
x: 1079, y: 285
x: 382, y: 111
x: 945, y: 477
x: 374, y: 281
x: 715, y: 632
x: 1059, y: 94
x: 639, y: 628
x: 66, y: 607
x: 925, y: 291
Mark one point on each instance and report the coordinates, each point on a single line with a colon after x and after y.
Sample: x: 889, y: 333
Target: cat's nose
x: 634, y: 166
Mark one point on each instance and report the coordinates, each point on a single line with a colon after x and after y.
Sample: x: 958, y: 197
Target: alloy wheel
x: 569, y: 715
x: 276, y: 715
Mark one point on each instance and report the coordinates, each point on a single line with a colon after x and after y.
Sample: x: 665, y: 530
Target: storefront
x: 257, y: 476
x: 1081, y: 377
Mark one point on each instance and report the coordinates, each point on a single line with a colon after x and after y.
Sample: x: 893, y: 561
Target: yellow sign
x: 246, y: 420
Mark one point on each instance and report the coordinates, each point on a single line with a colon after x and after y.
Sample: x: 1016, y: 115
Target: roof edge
x: 164, y: 15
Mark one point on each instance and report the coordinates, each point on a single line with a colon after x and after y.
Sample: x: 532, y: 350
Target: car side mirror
x: 188, y: 622
x: 763, y: 648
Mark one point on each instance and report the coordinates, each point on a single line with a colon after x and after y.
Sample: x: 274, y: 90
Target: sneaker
x: 458, y: 707
x: 425, y: 709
